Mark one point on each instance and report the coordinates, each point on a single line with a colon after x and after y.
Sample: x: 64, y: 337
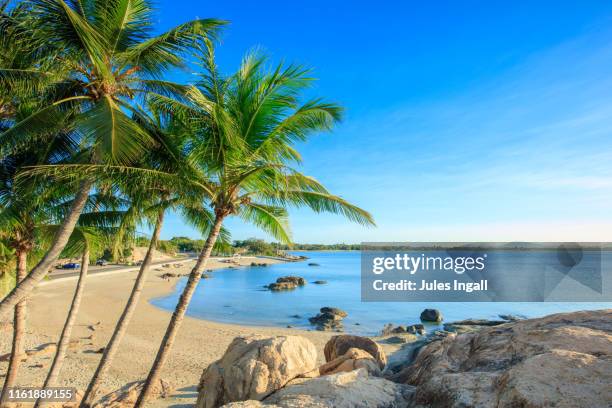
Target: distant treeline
x: 251, y: 246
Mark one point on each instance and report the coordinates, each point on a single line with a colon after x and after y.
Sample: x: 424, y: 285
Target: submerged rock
x: 320, y: 282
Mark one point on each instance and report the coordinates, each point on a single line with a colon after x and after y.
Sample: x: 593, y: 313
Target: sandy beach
x: 198, y: 344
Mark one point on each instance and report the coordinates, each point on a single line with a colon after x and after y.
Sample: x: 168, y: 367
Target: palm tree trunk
x: 27, y: 285
x: 113, y: 345
x: 62, y: 345
x: 19, y: 322
x: 179, y: 312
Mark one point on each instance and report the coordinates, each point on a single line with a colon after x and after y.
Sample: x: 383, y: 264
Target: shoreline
x: 101, y: 307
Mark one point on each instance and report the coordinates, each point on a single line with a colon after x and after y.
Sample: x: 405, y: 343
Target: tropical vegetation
x: 96, y: 141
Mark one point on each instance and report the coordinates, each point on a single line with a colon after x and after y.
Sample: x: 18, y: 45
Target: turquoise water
x: 237, y: 296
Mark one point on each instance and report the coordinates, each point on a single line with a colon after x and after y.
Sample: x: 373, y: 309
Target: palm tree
x: 111, y: 60
x: 166, y: 158
x: 84, y: 240
x: 243, y: 128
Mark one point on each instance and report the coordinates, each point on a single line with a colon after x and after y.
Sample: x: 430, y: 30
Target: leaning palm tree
x: 166, y: 158
x: 94, y: 231
x: 111, y: 59
x: 84, y: 240
x: 243, y: 128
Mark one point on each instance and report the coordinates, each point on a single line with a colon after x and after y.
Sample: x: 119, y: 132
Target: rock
x: 334, y: 310
x: 296, y: 316
x: 297, y: 280
x: 343, y: 390
x: 330, y: 318
x: 511, y: 317
x: 166, y: 266
x: 313, y: 264
x: 320, y: 282
x: 431, y: 315
x: 168, y: 275
x: 353, y: 359
x: 562, y: 360
x: 340, y: 345
x: 127, y: 395
x: 281, y: 286
x: 254, y: 367
x: 401, y: 339
x: 206, y: 276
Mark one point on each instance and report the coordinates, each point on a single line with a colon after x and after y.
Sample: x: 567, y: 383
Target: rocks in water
x: 334, y: 310
x: 259, y: 264
x: 287, y: 283
x: 279, y: 286
x: 339, y: 345
x: 343, y: 390
x: 206, y: 276
x: 297, y: 280
x: 431, y: 315
x: 254, y: 367
x: 320, y: 282
x: 390, y: 329
x: 562, y: 360
x: 416, y: 329
x: 313, y: 264
x: 329, y: 318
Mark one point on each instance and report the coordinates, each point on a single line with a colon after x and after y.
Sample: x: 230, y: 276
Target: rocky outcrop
x: 337, y: 346
x: 329, y: 318
x: 431, y: 315
x: 562, y: 360
x: 343, y: 390
x: 253, y: 368
x: 287, y: 283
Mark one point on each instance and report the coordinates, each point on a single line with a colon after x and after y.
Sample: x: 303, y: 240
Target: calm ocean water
x: 237, y: 296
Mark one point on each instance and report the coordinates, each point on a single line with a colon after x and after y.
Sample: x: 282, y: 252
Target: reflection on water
x: 237, y: 296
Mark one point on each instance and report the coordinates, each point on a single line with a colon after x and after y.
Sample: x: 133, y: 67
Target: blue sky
x: 467, y: 120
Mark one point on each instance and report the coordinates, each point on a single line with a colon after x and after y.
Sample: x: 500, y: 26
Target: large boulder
x: 337, y: 346
x: 342, y: 390
x: 562, y: 360
x: 254, y: 367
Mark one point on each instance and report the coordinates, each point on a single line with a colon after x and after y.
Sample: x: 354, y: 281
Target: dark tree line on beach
x: 96, y: 140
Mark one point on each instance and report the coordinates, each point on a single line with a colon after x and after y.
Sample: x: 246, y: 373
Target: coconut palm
x: 112, y: 59
x: 243, y: 130
x: 84, y: 240
x: 166, y: 158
